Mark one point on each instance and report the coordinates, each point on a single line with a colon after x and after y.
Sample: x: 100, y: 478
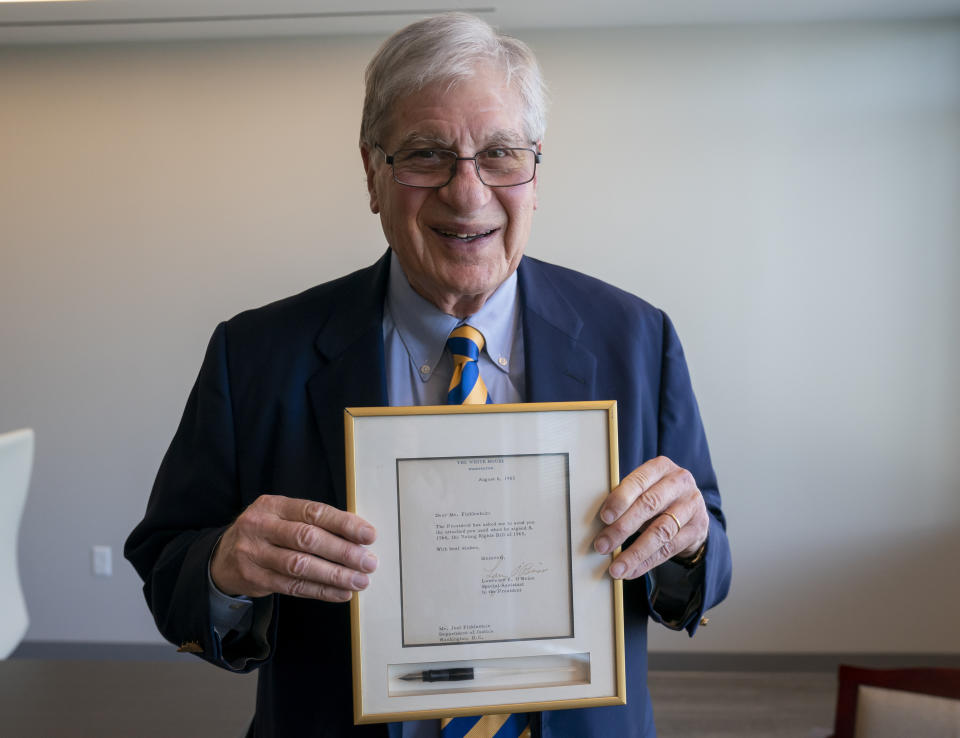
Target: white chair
x: 16, y: 463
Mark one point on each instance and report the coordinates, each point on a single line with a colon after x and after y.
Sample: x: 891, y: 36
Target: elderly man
x: 246, y: 552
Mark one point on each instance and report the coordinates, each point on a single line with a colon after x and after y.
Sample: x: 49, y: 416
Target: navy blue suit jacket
x: 266, y: 416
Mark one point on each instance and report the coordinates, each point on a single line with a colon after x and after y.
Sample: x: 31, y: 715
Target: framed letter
x: 489, y: 597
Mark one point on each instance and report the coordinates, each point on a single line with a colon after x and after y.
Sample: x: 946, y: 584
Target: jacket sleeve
x: 195, y: 498
x: 678, y: 597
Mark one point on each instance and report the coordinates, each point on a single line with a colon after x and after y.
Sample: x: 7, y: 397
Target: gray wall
x: 788, y: 194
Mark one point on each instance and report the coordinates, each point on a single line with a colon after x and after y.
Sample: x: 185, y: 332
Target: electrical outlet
x: 102, y: 561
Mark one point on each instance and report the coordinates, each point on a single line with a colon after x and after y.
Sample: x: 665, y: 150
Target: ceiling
x: 137, y: 20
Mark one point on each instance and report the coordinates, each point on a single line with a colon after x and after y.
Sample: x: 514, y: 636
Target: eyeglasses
x: 496, y: 167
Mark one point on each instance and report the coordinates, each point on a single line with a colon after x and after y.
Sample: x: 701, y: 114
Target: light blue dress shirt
x: 415, y: 331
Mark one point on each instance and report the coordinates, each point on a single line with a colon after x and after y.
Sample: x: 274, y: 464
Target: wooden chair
x: 897, y: 703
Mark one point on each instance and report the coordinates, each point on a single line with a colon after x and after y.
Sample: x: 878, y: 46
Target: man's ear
x: 371, y: 171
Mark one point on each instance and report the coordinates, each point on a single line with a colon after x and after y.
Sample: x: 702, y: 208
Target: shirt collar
x: 424, y: 328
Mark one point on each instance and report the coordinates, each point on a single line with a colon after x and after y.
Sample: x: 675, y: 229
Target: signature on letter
x: 523, y: 569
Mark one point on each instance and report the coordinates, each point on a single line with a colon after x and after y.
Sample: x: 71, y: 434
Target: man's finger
x: 284, y: 565
x: 635, y: 484
x: 663, y: 538
x: 340, y: 522
x: 265, y: 582
x: 300, y: 537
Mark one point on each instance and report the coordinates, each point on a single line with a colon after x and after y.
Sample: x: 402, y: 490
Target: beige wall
x: 788, y: 194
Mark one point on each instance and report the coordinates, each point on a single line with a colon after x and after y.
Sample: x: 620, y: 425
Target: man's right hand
x: 294, y: 547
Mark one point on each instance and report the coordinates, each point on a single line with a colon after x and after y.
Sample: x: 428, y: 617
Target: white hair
x: 447, y: 49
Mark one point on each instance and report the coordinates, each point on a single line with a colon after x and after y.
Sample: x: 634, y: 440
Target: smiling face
x: 459, y: 242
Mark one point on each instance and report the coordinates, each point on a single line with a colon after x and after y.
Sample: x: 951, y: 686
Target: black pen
x: 457, y: 674
x: 461, y: 673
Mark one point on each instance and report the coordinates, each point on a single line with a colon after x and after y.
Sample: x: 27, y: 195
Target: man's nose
x: 465, y: 191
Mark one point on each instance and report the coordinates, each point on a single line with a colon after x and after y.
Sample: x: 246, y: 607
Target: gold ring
x: 667, y: 512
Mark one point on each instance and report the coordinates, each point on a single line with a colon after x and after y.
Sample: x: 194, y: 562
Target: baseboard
x: 794, y: 662
x: 94, y: 651
x: 659, y: 660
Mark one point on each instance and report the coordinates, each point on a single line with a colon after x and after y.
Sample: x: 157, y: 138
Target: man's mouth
x: 465, y: 237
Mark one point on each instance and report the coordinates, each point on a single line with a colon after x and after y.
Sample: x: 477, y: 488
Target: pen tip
x: 410, y: 677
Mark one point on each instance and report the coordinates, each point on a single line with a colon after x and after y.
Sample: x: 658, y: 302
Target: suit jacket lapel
x: 352, y: 372
x: 558, y: 368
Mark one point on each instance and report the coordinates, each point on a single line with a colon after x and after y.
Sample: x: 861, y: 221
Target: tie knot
x: 465, y: 341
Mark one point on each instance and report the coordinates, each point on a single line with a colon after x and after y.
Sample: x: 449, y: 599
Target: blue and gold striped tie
x: 466, y: 385
x: 516, y: 725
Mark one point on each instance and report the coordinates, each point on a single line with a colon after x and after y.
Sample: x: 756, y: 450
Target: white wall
x: 788, y: 194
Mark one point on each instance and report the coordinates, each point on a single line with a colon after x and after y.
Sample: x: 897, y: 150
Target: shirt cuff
x: 228, y: 613
x: 675, y: 593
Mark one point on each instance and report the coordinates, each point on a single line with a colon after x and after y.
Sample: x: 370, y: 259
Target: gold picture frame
x: 489, y: 597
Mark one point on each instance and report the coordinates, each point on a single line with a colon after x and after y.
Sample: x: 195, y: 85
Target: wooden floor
x: 122, y: 699
x: 724, y: 704
x: 107, y: 699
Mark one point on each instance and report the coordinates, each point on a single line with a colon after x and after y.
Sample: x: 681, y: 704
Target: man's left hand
x: 661, y: 500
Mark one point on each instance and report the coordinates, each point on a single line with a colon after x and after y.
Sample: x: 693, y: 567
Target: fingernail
x: 617, y: 570
x: 360, y: 581
x: 607, y: 516
x: 369, y: 562
x: 602, y: 544
x: 367, y: 534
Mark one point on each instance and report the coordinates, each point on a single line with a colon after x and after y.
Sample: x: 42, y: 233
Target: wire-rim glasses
x: 498, y: 166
